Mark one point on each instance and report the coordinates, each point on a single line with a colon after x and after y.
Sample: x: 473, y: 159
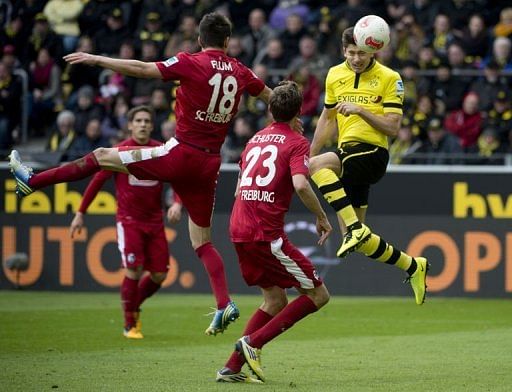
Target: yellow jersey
x: 378, y: 89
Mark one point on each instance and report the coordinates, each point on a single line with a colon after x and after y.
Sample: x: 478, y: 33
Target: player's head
x: 356, y: 58
x: 214, y: 31
x: 285, y: 101
x: 140, y: 122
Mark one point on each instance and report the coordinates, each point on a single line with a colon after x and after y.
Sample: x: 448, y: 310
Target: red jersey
x: 267, y: 165
x: 137, y: 200
x: 211, y: 84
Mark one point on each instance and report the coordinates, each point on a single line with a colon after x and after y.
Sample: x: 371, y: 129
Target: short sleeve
x: 254, y: 84
x: 175, y: 67
x: 299, y: 159
x: 394, y: 95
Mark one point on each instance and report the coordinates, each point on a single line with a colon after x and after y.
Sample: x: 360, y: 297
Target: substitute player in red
x: 140, y: 226
x: 211, y: 85
x: 273, y: 165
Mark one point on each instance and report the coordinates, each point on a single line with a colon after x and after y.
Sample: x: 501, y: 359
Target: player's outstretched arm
x: 139, y: 69
x: 308, y: 197
x: 325, y: 128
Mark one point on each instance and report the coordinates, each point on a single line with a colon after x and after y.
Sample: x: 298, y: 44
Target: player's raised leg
x: 27, y: 181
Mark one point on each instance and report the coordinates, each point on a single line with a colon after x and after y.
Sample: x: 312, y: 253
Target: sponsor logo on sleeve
x: 399, y: 87
x: 170, y: 61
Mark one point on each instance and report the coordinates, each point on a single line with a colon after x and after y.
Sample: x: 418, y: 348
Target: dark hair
x: 347, y: 37
x: 214, y: 28
x: 142, y: 108
x: 285, y: 101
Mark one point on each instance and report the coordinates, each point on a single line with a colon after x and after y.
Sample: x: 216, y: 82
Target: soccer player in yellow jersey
x: 363, y: 100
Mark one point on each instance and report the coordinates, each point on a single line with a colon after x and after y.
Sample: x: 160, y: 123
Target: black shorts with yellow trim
x: 362, y: 165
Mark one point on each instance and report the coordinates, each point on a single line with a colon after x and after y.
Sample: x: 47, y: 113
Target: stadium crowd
x: 455, y: 58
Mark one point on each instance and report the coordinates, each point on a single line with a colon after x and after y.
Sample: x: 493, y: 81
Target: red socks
x: 215, y: 269
x: 258, y: 320
x: 146, y: 289
x: 293, y: 312
x: 72, y: 171
x: 129, y: 289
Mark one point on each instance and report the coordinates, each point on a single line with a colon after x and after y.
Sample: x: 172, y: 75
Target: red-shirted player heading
x: 211, y: 85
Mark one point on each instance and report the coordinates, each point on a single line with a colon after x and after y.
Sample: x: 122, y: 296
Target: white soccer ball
x: 371, y: 33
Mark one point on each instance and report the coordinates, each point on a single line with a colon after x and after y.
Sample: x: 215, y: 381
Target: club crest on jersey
x: 170, y: 61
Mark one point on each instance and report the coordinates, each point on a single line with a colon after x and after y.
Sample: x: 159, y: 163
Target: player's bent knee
x: 314, y: 165
x: 158, y: 277
x: 320, y: 296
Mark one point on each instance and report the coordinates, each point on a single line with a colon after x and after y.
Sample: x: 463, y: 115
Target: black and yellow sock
x: 378, y: 249
x: 330, y: 185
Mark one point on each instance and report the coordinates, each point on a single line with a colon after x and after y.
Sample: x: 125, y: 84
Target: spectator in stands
x: 349, y: 12
x: 311, y: 90
x: 504, y: 27
x: 43, y: 36
x: 252, y: 107
x: 404, y: 144
x: 258, y: 34
x: 110, y: 37
x: 489, y: 85
x: 447, y: 91
x: 236, y: 50
x: 475, y: 38
x: 501, y: 53
x: 114, y: 123
x: 89, y: 141
x: 283, y: 9
x: 161, y: 107
x: 78, y: 75
x: 168, y: 129
x: 238, y: 136
x: 466, y: 122
x: 318, y: 63
x: 86, y: 109
x: 442, y: 36
x: 440, y: 148
x: 412, y: 85
x: 274, y: 59
x: 10, y: 99
x: 187, y: 30
x: 421, y: 115
x: 396, y: 9
x: 424, y: 12
x: 46, y: 96
x: 63, y: 136
x: 9, y: 58
x: 94, y: 15
x: 291, y: 35
x: 142, y: 88
x: 427, y: 58
x: 459, y: 63
x: 500, y: 116
x: 63, y: 18
x: 489, y: 149
x: 15, y: 34
x: 407, y: 39
x: 461, y: 11
x: 153, y: 31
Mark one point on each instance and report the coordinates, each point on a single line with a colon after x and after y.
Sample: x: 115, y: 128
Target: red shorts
x: 143, y: 245
x: 277, y: 263
x: 191, y: 172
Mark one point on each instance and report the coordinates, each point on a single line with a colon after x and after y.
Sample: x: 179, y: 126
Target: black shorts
x: 361, y: 165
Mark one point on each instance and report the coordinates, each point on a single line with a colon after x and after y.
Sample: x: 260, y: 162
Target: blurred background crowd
x: 455, y: 57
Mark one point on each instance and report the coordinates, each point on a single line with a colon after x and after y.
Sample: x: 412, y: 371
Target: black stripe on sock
x: 330, y: 187
x: 394, y: 257
x: 380, y: 249
x: 340, y: 204
x: 414, y: 266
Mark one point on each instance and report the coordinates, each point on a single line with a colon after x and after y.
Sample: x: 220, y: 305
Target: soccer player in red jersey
x: 211, y: 85
x: 273, y: 165
x: 140, y: 227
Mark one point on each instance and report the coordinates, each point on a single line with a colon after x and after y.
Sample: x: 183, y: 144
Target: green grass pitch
x: 73, y: 342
